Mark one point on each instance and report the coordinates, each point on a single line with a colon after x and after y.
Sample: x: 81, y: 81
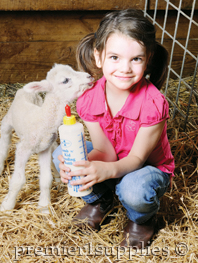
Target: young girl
x: 126, y: 115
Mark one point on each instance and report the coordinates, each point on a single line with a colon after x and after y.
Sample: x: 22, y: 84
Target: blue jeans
x: 138, y: 191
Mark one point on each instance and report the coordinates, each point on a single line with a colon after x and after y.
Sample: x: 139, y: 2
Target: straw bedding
x: 26, y: 235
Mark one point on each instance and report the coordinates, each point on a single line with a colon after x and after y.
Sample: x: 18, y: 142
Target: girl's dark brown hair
x: 132, y: 23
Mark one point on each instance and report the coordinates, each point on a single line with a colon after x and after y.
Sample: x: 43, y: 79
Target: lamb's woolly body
x: 42, y: 119
x: 35, y: 122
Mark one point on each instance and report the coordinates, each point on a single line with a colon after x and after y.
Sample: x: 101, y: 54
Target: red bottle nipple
x: 67, y: 110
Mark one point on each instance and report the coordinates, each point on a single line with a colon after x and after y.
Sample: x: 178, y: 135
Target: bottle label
x: 74, y: 149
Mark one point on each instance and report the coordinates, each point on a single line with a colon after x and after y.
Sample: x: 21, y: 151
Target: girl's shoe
x: 138, y: 235
x: 94, y: 214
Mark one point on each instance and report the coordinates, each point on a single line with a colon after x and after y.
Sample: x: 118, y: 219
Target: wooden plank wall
x: 32, y: 41
x: 54, y: 5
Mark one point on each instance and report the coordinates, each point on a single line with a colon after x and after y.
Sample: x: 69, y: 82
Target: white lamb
x: 35, y: 122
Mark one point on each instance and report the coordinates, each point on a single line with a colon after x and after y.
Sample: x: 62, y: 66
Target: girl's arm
x: 106, y: 168
x: 102, y: 147
x: 145, y: 142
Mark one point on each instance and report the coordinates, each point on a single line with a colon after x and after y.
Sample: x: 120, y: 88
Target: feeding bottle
x: 73, y: 149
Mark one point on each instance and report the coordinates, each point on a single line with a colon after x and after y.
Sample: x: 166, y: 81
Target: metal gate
x: 189, y: 110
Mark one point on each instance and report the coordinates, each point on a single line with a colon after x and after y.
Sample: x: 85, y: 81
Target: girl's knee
x: 134, y: 200
x: 139, y: 202
x: 128, y: 194
x: 139, y: 196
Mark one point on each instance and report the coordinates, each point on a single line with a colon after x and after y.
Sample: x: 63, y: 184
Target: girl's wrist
x: 113, y: 170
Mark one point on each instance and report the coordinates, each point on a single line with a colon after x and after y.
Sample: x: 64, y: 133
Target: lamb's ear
x: 38, y: 86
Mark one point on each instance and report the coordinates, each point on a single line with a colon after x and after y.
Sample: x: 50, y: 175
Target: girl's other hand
x: 64, y: 170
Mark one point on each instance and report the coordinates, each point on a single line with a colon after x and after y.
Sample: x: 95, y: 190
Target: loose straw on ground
x: 28, y: 236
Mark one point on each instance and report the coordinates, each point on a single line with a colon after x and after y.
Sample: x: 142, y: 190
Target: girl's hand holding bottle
x: 94, y: 172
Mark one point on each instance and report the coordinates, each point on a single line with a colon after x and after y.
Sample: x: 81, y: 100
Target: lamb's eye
x: 66, y: 81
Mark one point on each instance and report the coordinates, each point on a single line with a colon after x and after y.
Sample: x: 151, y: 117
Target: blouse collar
x: 133, y: 103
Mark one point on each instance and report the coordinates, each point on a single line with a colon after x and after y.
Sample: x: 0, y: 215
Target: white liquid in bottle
x: 73, y: 149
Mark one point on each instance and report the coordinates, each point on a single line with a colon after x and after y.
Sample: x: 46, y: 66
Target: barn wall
x: 32, y: 41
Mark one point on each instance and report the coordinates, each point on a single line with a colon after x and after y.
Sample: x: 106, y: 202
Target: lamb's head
x: 63, y: 81
x: 68, y: 83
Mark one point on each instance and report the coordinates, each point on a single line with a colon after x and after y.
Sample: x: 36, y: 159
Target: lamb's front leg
x: 54, y: 156
x: 45, y: 180
x: 5, y: 140
x: 18, y: 178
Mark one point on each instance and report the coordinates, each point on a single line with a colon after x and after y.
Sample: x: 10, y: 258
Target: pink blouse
x: 145, y: 106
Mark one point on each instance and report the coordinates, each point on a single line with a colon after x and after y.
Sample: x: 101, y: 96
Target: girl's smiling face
x: 123, y: 62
